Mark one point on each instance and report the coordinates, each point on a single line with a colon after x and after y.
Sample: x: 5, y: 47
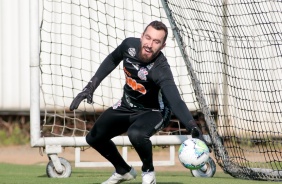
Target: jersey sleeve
x: 107, y: 66
x: 164, y: 78
x: 178, y: 106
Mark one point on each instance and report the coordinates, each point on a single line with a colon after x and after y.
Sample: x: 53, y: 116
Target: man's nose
x: 150, y: 44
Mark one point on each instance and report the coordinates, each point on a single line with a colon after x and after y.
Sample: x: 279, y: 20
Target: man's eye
x: 157, y: 41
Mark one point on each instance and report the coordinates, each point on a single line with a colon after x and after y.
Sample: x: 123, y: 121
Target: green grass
x: 36, y: 174
x: 16, y: 136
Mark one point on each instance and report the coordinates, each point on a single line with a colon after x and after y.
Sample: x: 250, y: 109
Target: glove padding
x: 196, y: 133
x: 87, y: 93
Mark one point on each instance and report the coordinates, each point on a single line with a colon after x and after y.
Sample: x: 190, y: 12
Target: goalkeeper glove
x: 87, y: 93
x: 197, y: 133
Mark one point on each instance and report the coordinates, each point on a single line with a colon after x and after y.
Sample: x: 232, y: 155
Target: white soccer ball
x: 193, y: 153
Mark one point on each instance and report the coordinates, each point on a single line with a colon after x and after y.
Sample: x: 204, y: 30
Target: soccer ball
x: 193, y: 153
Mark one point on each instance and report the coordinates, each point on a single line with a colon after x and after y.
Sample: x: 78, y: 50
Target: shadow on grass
x: 43, y: 176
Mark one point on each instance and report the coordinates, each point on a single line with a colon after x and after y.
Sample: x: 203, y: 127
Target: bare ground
x: 26, y: 155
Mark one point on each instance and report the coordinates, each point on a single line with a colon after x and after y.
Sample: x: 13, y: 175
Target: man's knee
x: 137, y: 137
x: 91, y: 140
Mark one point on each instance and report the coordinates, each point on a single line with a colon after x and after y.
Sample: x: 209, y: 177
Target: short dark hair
x: 158, y: 26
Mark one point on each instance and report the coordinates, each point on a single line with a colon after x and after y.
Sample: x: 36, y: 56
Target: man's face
x: 152, y: 42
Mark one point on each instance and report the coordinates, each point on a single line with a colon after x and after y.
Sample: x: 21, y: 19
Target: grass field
x: 36, y: 174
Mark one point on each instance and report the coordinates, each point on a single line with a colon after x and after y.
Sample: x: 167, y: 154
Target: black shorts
x: 120, y: 118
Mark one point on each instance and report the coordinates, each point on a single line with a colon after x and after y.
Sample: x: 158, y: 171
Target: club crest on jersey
x: 132, y: 51
x: 142, y: 73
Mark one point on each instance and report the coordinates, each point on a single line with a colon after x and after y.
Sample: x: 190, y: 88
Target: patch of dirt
x: 26, y: 155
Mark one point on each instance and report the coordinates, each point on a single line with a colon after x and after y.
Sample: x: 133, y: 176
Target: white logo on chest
x: 132, y: 52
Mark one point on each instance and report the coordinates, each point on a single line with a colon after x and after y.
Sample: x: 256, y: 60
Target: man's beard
x: 145, y: 58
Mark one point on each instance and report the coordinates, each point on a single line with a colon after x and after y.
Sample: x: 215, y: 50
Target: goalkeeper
x: 150, y: 96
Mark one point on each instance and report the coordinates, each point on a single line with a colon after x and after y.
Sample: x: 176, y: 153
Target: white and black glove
x: 197, y: 133
x: 87, y: 93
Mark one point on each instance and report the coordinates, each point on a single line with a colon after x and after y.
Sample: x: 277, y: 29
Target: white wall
x: 14, y: 55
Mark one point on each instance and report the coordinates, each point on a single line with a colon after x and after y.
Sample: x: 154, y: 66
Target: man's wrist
x: 89, y: 86
x: 196, y: 132
x: 191, y: 124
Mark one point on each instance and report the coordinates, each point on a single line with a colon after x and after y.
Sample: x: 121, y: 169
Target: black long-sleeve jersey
x: 150, y: 85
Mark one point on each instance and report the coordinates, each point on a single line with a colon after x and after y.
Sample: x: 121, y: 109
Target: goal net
x: 225, y: 57
x: 235, y: 49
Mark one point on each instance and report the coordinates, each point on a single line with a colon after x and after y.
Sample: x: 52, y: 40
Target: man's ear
x: 164, y: 45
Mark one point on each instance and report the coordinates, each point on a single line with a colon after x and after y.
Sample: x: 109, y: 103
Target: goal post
x: 225, y: 57
x: 34, y: 72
